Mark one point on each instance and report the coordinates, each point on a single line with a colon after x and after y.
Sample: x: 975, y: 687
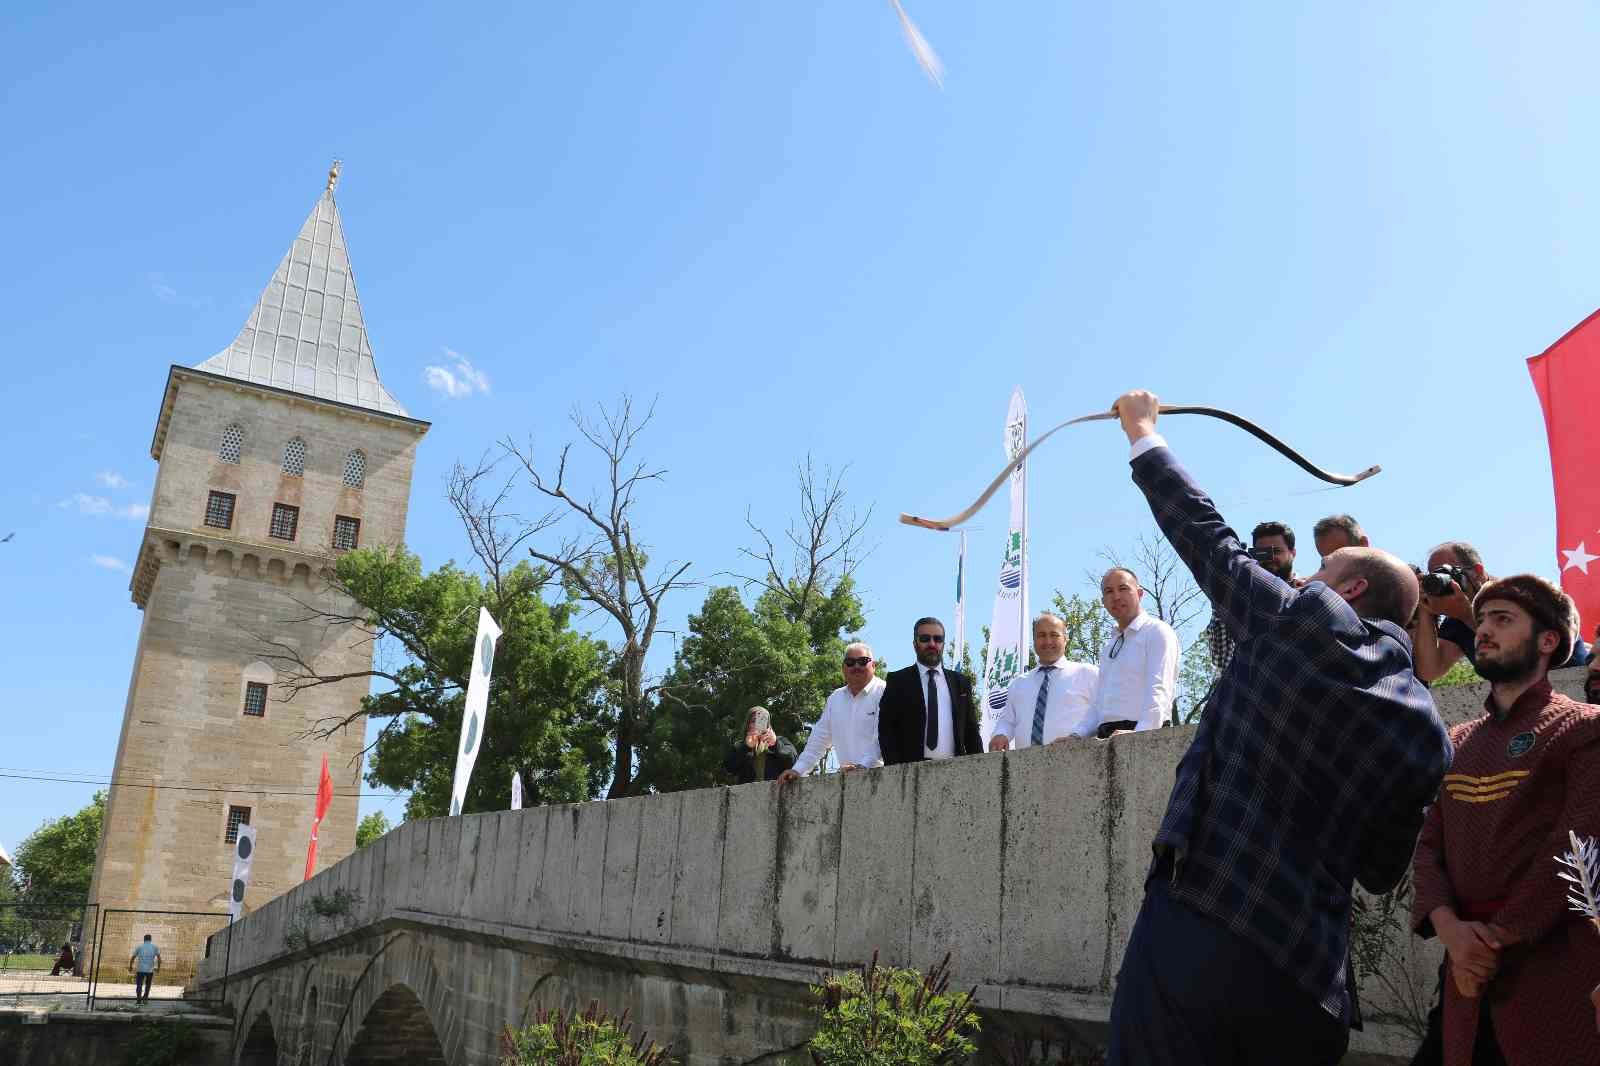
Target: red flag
x: 324, y: 799
x: 1567, y: 378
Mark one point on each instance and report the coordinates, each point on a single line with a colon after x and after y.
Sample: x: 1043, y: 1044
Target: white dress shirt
x: 1068, y: 704
x: 1140, y: 683
x: 849, y: 725
x: 947, y: 740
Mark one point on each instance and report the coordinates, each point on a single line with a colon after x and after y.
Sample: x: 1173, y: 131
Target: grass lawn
x: 26, y: 962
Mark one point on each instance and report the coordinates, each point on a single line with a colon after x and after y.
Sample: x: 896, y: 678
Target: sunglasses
x: 857, y: 661
x: 1116, y: 646
x: 929, y: 638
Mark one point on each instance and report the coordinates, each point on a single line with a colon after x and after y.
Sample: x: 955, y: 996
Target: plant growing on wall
x: 885, y: 1016
x: 592, y: 1038
x: 161, y: 1043
x: 336, y: 908
x: 1380, y: 930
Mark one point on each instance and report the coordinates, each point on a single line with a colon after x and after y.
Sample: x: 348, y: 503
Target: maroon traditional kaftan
x: 1519, y: 782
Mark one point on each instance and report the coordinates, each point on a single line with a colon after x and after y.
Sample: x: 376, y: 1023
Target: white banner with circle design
x: 477, y: 707
x: 244, y: 853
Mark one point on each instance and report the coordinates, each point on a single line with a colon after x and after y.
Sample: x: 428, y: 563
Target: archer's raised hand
x: 1138, y: 410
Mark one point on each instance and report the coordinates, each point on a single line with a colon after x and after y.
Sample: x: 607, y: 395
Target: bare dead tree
x: 823, y: 544
x: 1170, y: 591
x: 600, y: 560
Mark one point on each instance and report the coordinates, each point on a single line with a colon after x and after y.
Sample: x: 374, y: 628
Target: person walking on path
x: 144, y: 964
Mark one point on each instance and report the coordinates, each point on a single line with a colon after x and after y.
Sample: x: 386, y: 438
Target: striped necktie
x: 1038, y: 704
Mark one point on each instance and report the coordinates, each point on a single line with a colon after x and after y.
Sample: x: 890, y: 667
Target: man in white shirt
x: 1051, y: 702
x: 849, y: 721
x: 1139, y: 667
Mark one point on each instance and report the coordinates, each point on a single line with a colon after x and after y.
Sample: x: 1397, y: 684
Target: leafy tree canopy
x: 56, y: 863
x: 371, y: 828
x: 783, y: 653
x: 547, y: 715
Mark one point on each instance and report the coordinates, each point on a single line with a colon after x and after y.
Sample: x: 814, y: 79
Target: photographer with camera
x: 1445, y: 625
x: 1445, y: 629
x: 1271, y: 545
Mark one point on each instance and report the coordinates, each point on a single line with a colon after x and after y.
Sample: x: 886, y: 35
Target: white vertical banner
x: 516, y: 791
x: 477, y: 706
x: 961, y: 602
x: 244, y: 853
x: 1006, y: 654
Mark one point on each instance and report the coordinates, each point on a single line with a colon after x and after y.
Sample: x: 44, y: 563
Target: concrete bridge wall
x: 707, y: 913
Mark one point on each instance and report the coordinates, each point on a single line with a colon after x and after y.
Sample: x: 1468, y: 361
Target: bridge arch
x: 396, y: 1029
x: 398, y: 1010
x: 260, y: 1047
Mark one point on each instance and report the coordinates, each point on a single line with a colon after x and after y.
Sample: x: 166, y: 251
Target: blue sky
x: 1351, y: 225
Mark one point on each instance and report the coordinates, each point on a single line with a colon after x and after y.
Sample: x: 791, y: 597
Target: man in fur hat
x: 1485, y: 883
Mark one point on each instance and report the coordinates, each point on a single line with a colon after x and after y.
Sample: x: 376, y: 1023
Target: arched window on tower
x: 232, y: 444
x: 255, y: 683
x: 355, y: 468
x: 294, y: 458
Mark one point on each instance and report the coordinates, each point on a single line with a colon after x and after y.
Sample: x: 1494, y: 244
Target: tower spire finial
x: 333, y: 175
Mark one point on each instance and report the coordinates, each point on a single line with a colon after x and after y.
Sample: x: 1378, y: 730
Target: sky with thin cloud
x: 1349, y: 223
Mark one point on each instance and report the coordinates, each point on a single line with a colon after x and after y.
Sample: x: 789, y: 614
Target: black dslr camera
x: 1262, y: 555
x: 1444, y: 580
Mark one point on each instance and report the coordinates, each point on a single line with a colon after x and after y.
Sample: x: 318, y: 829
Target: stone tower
x: 276, y: 455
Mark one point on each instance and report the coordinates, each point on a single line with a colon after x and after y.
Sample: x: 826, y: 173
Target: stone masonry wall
x: 707, y: 912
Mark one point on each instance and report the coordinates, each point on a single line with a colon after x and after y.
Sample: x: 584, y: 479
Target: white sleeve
x: 818, y: 743
x: 1005, y: 723
x: 1163, y: 672
x: 1146, y: 444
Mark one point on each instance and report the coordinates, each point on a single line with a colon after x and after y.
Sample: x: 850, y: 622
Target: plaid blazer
x: 1314, y: 763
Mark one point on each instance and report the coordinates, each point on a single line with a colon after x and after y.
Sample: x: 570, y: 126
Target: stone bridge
x: 706, y: 914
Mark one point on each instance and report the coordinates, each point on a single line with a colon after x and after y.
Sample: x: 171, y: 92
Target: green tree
x: 56, y: 863
x: 782, y: 652
x: 371, y: 828
x: 1088, y: 626
x: 547, y: 715
x: 737, y: 657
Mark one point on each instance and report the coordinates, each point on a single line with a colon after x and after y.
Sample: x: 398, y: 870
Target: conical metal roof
x: 306, y: 333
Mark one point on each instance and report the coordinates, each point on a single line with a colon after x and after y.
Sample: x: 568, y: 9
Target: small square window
x: 219, y: 510
x: 255, y: 699
x: 237, y: 816
x: 346, y: 532
x: 285, y: 519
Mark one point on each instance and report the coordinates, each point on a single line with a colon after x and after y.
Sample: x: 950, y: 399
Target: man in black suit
x: 907, y: 732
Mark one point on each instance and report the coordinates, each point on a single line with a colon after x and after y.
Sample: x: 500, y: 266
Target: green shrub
x: 558, y: 1038
x: 883, y: 1016
x: 161, y: 1043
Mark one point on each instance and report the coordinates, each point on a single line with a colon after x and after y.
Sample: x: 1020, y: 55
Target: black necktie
x: 933, y: 712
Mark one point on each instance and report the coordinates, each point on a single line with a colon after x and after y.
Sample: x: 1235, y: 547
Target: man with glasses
x: 849, y: 721
x: 1139, y: 667
x: 1271, y: 545
x: 1312, y: 769
x: 1052, y: 701
x: 927, y: 711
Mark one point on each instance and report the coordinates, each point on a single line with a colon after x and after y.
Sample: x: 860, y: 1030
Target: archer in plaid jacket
x: 1313, y: 765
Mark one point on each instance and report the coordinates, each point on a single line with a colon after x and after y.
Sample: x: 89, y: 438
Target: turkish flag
x: 324, y: 799
x: 1567, y: 378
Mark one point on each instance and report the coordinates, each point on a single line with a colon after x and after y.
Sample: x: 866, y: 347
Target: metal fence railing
x: 183, y: 939
x: 41, y: 948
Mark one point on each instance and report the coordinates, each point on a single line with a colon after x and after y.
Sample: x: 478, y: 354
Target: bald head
x: 1375, y: 583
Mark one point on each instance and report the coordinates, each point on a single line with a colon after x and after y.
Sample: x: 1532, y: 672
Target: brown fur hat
x: 1550, y: 607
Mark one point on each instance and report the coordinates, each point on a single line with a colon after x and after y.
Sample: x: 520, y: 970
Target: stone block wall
x: 706, y: 913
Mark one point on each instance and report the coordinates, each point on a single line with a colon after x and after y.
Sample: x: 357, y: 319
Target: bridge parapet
x: 1027, y: 867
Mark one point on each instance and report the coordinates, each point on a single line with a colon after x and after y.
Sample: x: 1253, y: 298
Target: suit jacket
x: 903, y: 719
x: 1315, y: 760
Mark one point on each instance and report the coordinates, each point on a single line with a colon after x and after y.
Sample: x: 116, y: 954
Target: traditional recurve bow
x: 1167, y: 409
